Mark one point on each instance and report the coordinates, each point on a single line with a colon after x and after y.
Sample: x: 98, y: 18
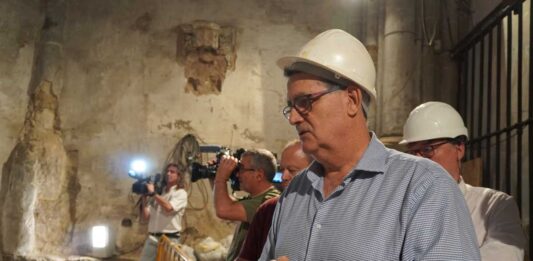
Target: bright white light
x: 100, y: 236
x: 139, y: 166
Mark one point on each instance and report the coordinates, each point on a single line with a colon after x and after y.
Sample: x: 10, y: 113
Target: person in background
x: 256, y: 172
x: 164, y: 212
x: 292, y: 161
x: 358, y: 200
x: 436, y: 131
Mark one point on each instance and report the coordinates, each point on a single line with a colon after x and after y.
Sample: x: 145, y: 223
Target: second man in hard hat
x: 436, y: 131
x: 358, y: 200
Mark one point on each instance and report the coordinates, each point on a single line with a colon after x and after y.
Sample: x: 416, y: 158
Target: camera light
x: 100, y: 236
x: 278, y: 177
x: 139, y: 166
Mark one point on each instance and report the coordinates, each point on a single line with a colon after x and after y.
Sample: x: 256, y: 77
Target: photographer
x: 164, y: 211
x: 292, y: 161
x: 256, y: 171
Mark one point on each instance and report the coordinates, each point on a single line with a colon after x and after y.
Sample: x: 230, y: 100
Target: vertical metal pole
x: 480, y: 100
x: 498, y: 99
x: 463, y: 84
x: 487, y: 179
x: 519, y: 118
x: 530, y: 128
x: 472, y: 94
x: 508, y: 105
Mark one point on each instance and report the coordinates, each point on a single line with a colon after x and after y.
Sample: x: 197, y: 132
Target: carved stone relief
x: 207, y: 50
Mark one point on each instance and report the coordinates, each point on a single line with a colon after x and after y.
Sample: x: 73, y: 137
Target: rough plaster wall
x: 124, y: 91
x: 20, y: 22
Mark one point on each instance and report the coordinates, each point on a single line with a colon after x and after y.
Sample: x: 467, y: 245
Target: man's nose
x: 286, y: 175
x: 294, y: 116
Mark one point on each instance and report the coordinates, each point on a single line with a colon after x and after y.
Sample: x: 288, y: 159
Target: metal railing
x: 169, y: 251
x: 491, y: 100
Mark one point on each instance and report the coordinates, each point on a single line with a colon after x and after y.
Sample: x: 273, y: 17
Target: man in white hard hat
x: 358, y: 200
x: 436, y: 131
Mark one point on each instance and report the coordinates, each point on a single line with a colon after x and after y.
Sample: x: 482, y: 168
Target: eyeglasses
x: 303, y: 104
x: 428, y: 151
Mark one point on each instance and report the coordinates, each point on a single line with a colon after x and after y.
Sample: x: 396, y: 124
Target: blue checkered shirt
x: 391, y: 206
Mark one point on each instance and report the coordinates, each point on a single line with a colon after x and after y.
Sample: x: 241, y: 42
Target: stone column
x: 399, y: 93
x: 48, y: 63
x: 371, y: 43
x: 34, y: 194
x: 449, y: 79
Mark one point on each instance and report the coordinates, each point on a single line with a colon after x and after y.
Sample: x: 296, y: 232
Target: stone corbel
x: 207, y: 51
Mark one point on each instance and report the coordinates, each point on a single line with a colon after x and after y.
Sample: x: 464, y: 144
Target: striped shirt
x: 391, y: 206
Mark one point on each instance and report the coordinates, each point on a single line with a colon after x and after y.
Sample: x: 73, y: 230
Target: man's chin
x: 308, y: 146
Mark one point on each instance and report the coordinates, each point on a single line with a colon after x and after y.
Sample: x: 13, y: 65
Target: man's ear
x: 460, y: 151
x: 260, y: 175
x: 355, y: 100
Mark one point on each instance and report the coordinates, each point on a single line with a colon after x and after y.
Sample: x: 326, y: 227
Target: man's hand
x: 150, y: 187
x: 226, y: 165
x: 225, y: 207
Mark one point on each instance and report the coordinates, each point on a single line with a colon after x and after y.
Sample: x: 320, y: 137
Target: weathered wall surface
x: 20, y: 22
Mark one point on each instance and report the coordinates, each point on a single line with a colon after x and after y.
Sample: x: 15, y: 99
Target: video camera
x: 139, y: 187
x: 201, y: 171
x: 138, y: 167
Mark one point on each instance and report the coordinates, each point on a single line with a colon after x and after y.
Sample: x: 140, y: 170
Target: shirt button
x: 318, y: 226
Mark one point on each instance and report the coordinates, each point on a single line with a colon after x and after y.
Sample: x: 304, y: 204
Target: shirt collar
x: 462, y: 185
x: 271, y: 188
x: 375, y: 156
x: 173, y: 188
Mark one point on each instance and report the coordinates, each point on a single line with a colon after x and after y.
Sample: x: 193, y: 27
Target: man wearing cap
x: 358, y: 200
x: 436, y: 131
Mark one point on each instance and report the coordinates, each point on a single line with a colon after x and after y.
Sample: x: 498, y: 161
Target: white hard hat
x: 339, y: 53
x: 433, y: 120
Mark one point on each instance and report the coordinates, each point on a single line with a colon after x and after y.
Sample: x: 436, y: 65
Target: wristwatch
x: 151, y: 194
